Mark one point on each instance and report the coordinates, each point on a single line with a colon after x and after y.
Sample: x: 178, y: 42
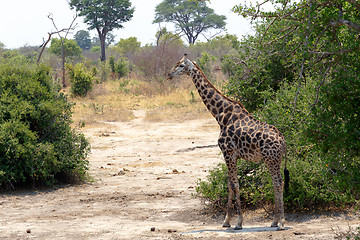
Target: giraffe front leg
x: 233, y: 186
x: 238, y: 206
x: 229, y: 206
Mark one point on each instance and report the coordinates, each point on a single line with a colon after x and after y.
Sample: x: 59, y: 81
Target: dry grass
x: 163, y: 101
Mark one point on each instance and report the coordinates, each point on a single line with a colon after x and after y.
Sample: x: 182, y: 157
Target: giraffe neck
x: 221, y: 107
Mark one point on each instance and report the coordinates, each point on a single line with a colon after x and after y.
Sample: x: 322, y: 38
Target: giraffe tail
x: 286, y: 175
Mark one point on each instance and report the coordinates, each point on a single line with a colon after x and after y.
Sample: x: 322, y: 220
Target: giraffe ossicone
x: 241, y: 136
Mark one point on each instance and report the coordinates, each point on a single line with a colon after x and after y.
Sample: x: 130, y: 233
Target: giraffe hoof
x: 274, y: 225
x: 237, y: 228
x: 226, y: 225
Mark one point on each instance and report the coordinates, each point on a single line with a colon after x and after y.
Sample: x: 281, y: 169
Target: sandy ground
x: 144, y: 175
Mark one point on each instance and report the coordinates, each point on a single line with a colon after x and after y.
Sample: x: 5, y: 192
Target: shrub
x: 119, y: 68
x: 254, y: 180
x: 122, y: 68
x: 81, y: 80
x: 37, y: 143
x: 311, y: 186
x: 155, y: 62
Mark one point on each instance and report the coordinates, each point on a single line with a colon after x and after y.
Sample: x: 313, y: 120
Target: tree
x: 128, y: 47
x: 70, y: 46
x: 156, y: 61
x: 320, y: 40
x: 164, y: 37
x: 219, y: 46
x: 104, y: 16
x: 190, y: 18
x: 82, y: 38
x: 62, y: 39
x: 301, y: 44
x: 110, y: 38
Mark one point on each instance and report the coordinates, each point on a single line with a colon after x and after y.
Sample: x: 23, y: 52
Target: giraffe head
x: 183, y: 66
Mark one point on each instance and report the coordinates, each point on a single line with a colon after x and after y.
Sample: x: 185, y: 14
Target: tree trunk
x: 63, y: 62
x: 102, y: 43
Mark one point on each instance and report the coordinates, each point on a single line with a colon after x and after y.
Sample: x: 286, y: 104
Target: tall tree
x: 104, y: 16
x: 190, y: 18
x: 82, y: 38
x: 110, y: 38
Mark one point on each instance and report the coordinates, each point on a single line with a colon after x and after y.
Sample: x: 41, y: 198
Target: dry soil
x: 144, y: 175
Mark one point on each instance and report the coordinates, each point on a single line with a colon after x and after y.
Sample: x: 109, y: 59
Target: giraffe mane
x: 227, y: 98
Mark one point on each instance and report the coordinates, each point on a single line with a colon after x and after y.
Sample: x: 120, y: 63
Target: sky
x: 26, y: 23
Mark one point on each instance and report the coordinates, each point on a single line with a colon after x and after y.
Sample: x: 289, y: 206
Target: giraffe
x: 241, y: 136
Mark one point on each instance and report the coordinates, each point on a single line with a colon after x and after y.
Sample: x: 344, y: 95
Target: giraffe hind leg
x: 233, y: 187
x: 278, y: 185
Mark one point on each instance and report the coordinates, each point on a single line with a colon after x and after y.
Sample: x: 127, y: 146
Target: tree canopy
x: 190, y: 18
x: 82, y: 38
x: 104, y: 16
x: 71, y: 48
x: 128, y: 47
x: 319, y: 40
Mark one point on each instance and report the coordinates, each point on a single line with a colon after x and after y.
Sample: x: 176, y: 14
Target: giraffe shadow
x: 244, y: 230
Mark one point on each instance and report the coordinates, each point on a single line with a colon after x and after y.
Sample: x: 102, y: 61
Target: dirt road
x: 144, y: 175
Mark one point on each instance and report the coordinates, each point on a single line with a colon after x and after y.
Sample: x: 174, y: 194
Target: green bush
x: 119, y: 68
x: 81, y: 80
x: 254, y: 180
x: 37, y: 144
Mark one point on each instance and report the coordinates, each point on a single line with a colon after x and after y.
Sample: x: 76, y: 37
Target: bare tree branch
x: 212, y: 36
x: 43, y: 45
x: 286, y: 34
x: 341, y: 22
x: 66, y: 30
x: 62, y: 39
x: 331, y: 53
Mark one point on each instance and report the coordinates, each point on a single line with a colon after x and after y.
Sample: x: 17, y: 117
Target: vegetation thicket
x: 298, y: 71
x: 37, y: 143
